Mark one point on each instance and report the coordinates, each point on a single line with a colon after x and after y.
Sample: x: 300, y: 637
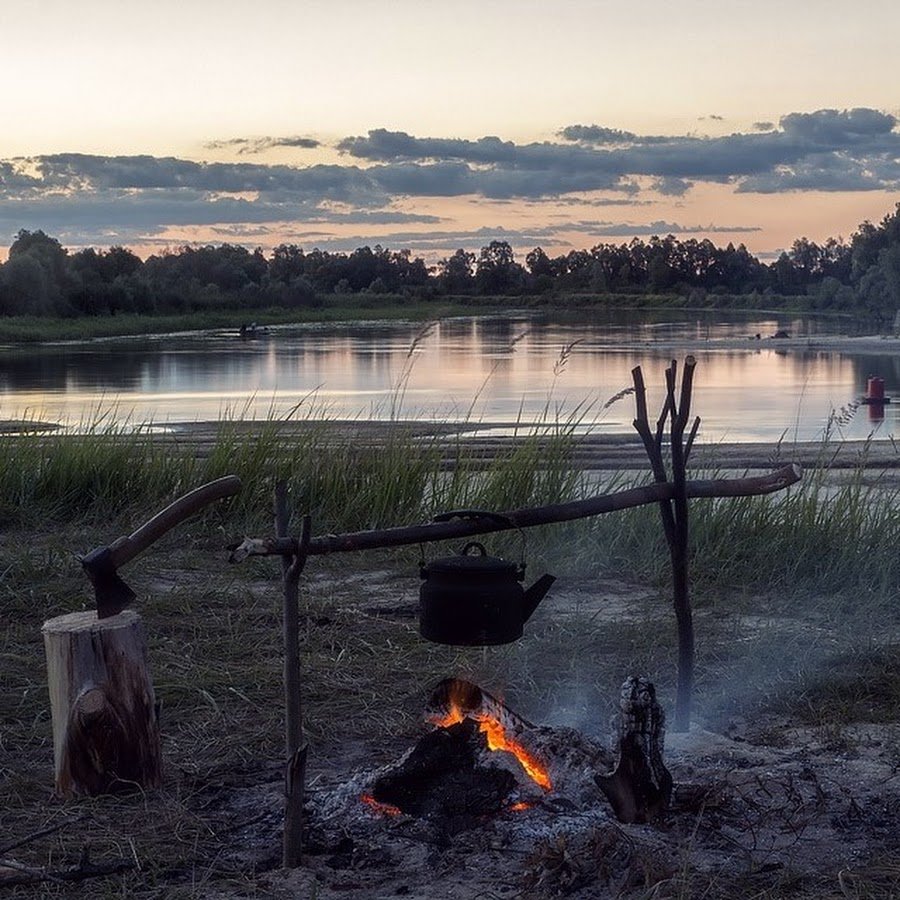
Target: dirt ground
x: 775, y: 796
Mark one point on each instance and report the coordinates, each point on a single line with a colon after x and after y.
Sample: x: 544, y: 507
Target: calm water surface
x: 495, y: 369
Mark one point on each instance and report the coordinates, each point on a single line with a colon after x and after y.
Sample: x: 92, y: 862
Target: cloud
x: 434, y: 244
x: 596, y: 134
x: 671, y: 186
x: 87, y: 172
x: 118, y: 216
x: 600, y: 158
x: 249, y: 146
x: 604, y: 201
x: 835, y: 128
x: 627, y: 229
x: 825, y: 150
x: 827, y: 172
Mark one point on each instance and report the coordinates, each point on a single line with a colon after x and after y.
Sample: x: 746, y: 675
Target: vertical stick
x: 674, y: 513
x: 295, y: 744
x: 679, y: 552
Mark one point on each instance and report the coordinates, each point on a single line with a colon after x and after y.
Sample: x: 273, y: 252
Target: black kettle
x: 476, y: 600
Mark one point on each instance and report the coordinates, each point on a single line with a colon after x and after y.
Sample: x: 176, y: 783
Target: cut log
x: 102, y: 703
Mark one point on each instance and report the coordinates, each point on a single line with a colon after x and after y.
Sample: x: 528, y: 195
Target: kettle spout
x: 535, y: 594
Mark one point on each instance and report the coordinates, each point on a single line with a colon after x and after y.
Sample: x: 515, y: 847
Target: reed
x: 819, y: 536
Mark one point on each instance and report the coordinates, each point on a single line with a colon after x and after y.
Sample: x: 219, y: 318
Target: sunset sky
x: 435, y: 126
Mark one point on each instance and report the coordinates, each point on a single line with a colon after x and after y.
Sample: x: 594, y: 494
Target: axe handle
x: 125, y: 549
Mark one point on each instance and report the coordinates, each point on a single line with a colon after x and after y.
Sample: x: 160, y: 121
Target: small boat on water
x: 248, y: 332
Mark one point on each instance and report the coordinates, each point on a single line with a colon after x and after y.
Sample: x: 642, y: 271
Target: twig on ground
x: 42, y: 832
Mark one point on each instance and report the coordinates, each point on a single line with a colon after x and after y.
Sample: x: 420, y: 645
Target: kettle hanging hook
x: 485, y: 514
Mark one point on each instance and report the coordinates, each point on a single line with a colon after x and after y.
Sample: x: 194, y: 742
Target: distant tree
x: 46, y: 294
x: 539, y: 263
x: 118, y: 262
x: 496, y: 270
x: 288, y: 262
x: 25, y: 287
x: 455, y: 273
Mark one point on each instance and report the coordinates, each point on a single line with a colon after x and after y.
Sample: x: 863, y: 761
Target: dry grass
x: 793, y: 619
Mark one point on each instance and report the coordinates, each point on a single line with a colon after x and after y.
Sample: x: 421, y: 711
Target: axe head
x: 111, y: 592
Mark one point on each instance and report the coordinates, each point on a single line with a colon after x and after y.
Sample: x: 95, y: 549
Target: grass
x: 794, y: 596
x: 816, y: 537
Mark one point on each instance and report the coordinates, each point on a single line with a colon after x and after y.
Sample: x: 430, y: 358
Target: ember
x: 494, y: 730
x: 454, y: 779
x: 386, y: 809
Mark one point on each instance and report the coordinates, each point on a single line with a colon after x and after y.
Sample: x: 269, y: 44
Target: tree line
x: 41, y: 277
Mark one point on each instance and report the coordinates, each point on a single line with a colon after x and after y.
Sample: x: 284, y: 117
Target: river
x: 500, y: 369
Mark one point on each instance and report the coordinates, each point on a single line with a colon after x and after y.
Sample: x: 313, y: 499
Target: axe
x: 102, y: 564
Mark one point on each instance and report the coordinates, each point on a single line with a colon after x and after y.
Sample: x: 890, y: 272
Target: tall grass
x: 817, y: 535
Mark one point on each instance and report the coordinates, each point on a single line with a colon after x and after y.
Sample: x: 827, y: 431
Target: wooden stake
x: 295, y: 743
x: 673, y: 510
x: 102, y: 703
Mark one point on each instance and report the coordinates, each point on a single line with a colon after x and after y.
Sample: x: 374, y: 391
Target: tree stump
x: 103, y: 707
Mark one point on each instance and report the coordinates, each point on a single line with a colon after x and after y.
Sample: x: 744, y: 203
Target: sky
x: 435, y: 125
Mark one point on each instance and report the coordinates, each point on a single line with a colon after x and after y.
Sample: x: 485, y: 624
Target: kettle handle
x: 499, y: 518
x: 472, y: 545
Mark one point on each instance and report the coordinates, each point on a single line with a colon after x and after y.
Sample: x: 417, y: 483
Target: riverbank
x: 795, y: 736
x: 362, y: 307
x: 39, y: 329
x: 796, y: 712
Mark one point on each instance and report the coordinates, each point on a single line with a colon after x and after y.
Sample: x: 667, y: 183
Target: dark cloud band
x: 825, y: 150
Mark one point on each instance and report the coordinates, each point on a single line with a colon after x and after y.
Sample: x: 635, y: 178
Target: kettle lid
x: 470, y: 564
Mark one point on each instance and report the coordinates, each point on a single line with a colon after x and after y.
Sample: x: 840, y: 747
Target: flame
x: 384, y: 808
x: 497, y: 739
x: 521, y: 805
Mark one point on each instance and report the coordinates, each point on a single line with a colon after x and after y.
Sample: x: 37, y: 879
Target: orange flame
x: 497, y: 739
x: 385, y: 808
x: 521, y: 805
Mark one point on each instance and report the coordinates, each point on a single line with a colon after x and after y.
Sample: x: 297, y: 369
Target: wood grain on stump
x: 103, y: 707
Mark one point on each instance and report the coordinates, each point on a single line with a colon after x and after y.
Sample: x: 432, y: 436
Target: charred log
x: 442, y: 780
x: 640, y: 787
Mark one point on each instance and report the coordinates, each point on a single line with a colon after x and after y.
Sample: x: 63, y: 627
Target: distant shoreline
x: 597, y: 451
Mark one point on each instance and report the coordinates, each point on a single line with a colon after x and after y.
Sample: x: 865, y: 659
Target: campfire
x: 480, y: 760
x: 466, y: 701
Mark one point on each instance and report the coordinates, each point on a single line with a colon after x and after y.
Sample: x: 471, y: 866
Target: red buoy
x: 875, y: 390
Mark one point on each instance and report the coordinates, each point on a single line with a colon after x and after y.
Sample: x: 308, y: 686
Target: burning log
x: 640, y: 787
x: 455, y: 700
x: 483, y: 759
x: 443, y: 780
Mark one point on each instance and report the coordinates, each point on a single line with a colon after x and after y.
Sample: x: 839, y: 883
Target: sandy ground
x: 763, y: 802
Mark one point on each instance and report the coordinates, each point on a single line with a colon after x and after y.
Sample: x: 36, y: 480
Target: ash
x: 743, y: 814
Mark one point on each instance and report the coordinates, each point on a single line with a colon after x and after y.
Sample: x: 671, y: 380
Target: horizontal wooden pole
x: 521, y: 518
